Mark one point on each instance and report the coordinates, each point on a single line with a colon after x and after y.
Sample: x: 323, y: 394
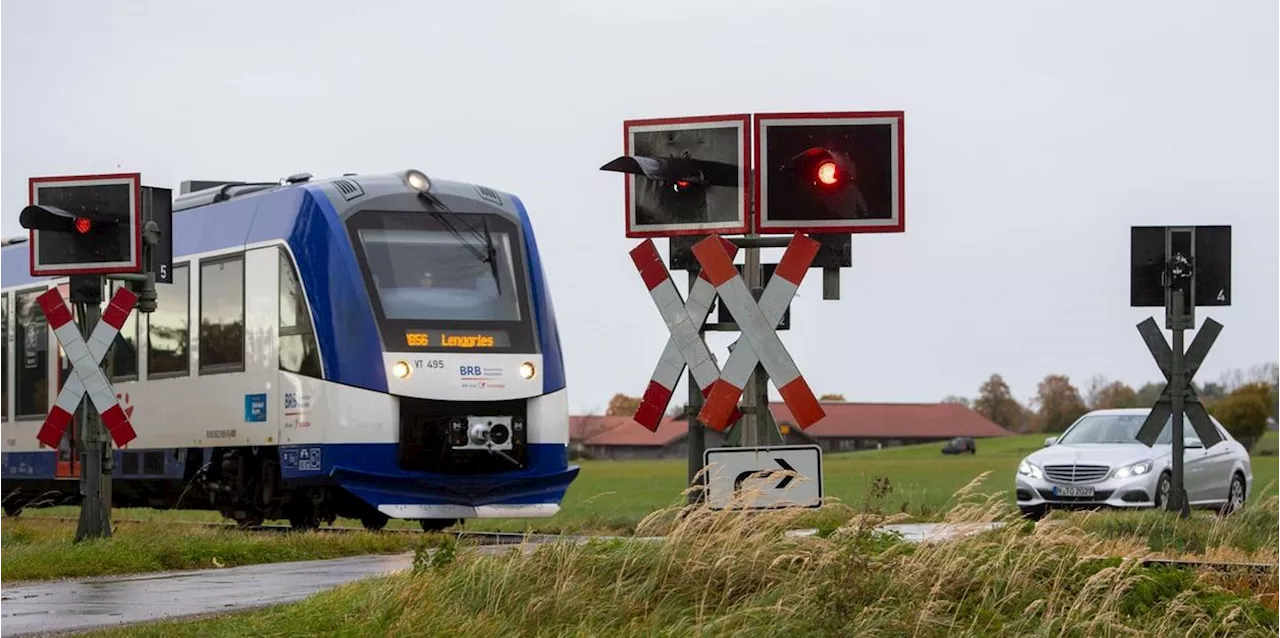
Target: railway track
x: 515, y: 538
x: 473, y: 536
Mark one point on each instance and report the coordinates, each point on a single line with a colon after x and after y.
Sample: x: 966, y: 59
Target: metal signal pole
x: 1180, y: 321
x: 95, y: 478
x: 697, y: 433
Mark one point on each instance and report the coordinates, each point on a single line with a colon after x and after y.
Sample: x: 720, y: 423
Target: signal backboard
x: 830, y: 172
x: 109, y: 207
x: 667, y: 195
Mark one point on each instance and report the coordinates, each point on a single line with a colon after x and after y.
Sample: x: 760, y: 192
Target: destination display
x: 462, y: 339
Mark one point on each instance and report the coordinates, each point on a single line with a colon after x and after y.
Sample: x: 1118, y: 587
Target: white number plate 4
x: 1073, y: 490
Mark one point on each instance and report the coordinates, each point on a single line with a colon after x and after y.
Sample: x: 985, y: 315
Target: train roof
x: 235, y: 214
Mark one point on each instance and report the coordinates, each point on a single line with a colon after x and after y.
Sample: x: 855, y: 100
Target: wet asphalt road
x: 85, y: 604
x: 76, y: 605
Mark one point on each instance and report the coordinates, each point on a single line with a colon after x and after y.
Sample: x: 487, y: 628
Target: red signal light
x: 827, y: 172
x: 83, y: 225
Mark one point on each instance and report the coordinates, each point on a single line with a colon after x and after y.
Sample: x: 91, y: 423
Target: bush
x: 1244, y: 412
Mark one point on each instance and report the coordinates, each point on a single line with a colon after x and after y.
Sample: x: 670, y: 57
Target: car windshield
x: 1120, y: 428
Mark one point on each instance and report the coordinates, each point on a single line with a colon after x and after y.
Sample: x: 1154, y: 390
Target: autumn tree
x: 997, y: 404
x: 1148, y: 394
x: 1096, y: 383
x: 1060, y: 404
x: 1244, y: 412
x: 1267, y: 374
x: 831, y: 397
x: 622, y: 405
x: 1210, y: 392
x: 1115, y: 394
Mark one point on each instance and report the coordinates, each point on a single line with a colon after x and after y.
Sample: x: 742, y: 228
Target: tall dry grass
x: 738, y: 573
x: 742, y: 574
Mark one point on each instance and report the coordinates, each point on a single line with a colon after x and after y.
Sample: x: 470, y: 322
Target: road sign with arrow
x: 764, y: 477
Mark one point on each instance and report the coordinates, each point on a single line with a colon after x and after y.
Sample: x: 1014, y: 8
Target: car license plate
x: 1073, y: 490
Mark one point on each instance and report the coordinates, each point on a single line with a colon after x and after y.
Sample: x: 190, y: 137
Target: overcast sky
x: 1036, y: 134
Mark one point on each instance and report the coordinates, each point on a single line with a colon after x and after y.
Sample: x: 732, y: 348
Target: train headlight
x: 400, y: 369
x: 527, y: 370
x: 417, y: 180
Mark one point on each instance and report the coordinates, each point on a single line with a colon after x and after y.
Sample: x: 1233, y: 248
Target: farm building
x: 847, y: 426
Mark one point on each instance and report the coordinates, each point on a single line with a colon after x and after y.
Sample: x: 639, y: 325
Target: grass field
x: 36, y: 549
x: 612, y: 496
x: 608, y: 497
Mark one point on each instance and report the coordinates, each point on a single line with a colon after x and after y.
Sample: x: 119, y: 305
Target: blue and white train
x: 370, y: 347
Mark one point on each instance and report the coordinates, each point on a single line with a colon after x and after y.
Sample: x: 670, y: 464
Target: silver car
x: 1098, y: 462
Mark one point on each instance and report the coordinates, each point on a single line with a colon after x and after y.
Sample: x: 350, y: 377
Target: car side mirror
x: 1050, y: 441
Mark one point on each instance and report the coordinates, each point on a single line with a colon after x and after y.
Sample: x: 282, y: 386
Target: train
x: 367, y: 347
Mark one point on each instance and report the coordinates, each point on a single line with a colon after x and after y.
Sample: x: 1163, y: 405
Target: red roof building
x: 847, y: 426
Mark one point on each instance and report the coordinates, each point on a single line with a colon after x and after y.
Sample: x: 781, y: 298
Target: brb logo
x: 470, y: 371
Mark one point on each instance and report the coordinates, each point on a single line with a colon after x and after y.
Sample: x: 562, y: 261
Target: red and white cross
x: 86, y: 365
x: 684, y: 345
x: 760, y: 342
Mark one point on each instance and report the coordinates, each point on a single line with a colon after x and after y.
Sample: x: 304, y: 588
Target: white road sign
x: 763, y: 477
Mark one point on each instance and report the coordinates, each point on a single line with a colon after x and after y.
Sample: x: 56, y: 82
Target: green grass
x: 727, y: 574
x: 612, y: 496
x: 36, y: 549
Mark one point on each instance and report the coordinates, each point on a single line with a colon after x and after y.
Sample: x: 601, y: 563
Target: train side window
x: 222, y: 315
x: 168, y: 343
x: 31, y: 356
x: 122, y: 359
x: 298, y: 349
x: 8, y: 369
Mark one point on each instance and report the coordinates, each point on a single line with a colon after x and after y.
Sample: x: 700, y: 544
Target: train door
x: 68, y: 466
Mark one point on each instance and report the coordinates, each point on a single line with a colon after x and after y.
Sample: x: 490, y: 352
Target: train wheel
x: 304, y: 524
x: 374, y: 520
x: 252, y: 520
x: 12, y: 504
x: 304, y: 520
x: 436, y: 524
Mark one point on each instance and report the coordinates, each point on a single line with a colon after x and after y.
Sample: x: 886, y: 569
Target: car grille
x: 1075, y: 473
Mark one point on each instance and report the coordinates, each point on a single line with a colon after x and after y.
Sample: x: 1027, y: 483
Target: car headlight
x: 1030, y: 469
x: 1137, y: 469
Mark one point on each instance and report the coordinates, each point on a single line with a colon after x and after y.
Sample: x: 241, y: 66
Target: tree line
x: 1242, y: 400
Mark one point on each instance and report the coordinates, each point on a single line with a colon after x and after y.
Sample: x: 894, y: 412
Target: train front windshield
x: 433, y: 275
x: 455, y: 276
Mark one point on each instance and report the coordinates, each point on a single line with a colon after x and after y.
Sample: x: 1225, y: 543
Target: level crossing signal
x: 107, y: 224
x: 87, y: 224
x: 87, y: 377
x: 760, y: 343
x: 683, y: 345
x: 87, y: 227
x: 818, y: 177
x: 1179, y: 267
x: 829, y: 172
